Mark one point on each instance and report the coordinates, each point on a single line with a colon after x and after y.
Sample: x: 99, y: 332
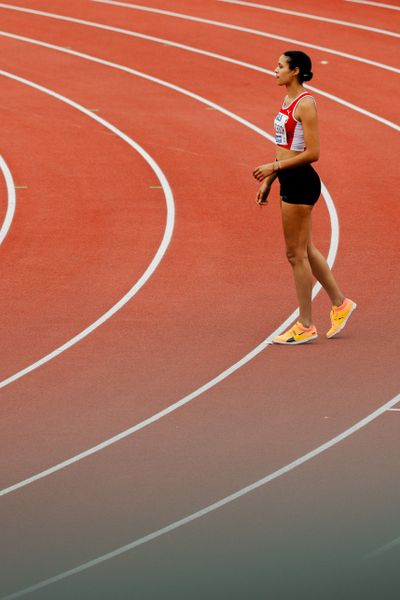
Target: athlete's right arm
x: 265, y: 188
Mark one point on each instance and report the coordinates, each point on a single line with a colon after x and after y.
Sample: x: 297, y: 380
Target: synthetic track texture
x: 222, y: 287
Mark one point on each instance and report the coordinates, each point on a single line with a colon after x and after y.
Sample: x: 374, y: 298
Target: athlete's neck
x: 293, y: 90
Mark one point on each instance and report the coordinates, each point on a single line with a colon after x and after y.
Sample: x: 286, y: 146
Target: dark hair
x: 302, y: 61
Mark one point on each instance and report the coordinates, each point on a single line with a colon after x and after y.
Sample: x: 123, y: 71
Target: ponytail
x: 302, y: 61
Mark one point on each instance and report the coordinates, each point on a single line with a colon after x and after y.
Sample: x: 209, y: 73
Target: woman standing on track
x: 297, y: 146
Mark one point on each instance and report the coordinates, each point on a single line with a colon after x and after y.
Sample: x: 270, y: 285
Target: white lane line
x: 207, y: 22
x: 169, y: 226
x: 377, y: 4
x: 312, y: 17
x: 211, y: 507
x: 331, y: 258
x: 240, y: 63
x: 11, y: 199
x: 394, y: 409
x: 245, y: 30
x: 146, y: 538
x: 68, y: 462
x: 382, y: 549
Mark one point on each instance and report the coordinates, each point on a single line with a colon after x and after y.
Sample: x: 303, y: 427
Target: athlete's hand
x: 263, y: 171
x: 263, y: 193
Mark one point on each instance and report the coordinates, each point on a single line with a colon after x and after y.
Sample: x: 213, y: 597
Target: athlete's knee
x: 296, y: 256
x: 312, y: 251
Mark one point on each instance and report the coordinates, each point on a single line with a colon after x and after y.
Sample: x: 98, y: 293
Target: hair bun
x: 308, y: 76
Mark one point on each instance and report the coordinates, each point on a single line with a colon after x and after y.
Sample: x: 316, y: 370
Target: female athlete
x: 297, y: 146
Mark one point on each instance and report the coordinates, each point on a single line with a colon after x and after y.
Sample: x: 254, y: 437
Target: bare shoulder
x: 306, y: 108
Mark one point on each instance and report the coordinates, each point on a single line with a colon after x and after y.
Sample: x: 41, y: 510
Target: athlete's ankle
x: 341, y: 301
x: 306, y: 323
x: 338, y: 301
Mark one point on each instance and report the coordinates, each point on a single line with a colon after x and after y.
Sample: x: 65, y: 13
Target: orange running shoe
x: 298, y: 334
x: 340, y: 315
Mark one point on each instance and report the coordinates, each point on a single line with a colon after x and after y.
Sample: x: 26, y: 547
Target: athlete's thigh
x: 296, y: 221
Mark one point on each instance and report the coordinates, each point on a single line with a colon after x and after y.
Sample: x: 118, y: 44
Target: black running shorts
x: 301, y: 185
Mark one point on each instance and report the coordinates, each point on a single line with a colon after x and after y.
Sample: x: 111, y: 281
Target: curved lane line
x: 157, y: 257
x: 245, y: 30
x: 377, y: 4
x: 199, y: 20
x: 212, y: 507
x: 331, y: 258
x: 214, y: 381
x: 11, y: 202
x: 295, y: 13
x: 382, y: 549
x: 221, y: 57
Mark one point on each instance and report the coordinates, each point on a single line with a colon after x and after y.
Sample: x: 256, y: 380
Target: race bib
x: 280, y: 129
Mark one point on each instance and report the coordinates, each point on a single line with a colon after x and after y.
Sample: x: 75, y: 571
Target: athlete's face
x: 283, y: 73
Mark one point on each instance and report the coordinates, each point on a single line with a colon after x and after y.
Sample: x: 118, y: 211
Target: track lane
x: 336, y: 70
x: 89, y: 505
x: 327, y: 363
x: 126, y: 8
x: 45, y: 407
x: 326, y: 14
x: 288, y: 26
x: 334, y: 519
x: 378, y: 5
x: 8, y: 196
x: 74, y: 232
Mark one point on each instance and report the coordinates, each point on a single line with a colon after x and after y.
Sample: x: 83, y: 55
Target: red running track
x: 88, y: 224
